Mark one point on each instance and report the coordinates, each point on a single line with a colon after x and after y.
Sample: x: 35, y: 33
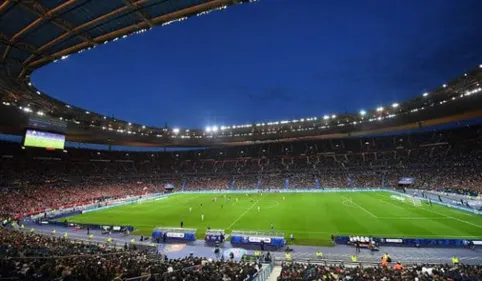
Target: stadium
x: 388, y: 193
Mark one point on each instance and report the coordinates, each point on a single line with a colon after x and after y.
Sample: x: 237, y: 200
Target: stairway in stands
x: 275, y: 273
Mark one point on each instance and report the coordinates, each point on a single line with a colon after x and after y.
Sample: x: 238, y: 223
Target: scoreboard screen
x: 36, y: 138
x: 406, y: 181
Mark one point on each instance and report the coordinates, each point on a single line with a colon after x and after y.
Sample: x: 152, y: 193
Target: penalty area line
x: 360, y: 207
x: 242, y: 215
x: 450, y: 217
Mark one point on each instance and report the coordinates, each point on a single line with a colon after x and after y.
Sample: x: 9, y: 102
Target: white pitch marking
x: 435, y: 212
x: 390, y: 203
x: 360, y: 207
x: 271, y: 207
x: 346, y: 203
x: 242, y: 215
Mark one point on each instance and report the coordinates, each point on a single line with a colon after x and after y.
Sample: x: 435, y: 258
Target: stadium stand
x: 27, y: 256
x: 448, y: 161
x: 297, y: 271
x: 36, y: 257
x: 312, y: 153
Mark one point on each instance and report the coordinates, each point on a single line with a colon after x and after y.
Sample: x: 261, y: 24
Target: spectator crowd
x: 312, y: 272
x: 32, y: 180
x: 34, y: 257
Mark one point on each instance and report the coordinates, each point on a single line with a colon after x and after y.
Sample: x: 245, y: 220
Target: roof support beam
x: 11, y: 61
x: 132, y: 28
x: 22, y: 46
x: 141, y: 14
x: 47, y: 15
x: 4, y: 5
x: 41, y: 12
x: 81, y: 27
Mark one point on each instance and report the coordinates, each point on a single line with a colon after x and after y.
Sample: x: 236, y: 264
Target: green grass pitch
x: 44, y: 142
x: 311, y: 217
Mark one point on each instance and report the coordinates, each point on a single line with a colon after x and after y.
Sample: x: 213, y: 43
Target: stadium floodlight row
x: 27, y: 45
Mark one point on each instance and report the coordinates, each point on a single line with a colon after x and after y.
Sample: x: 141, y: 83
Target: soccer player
x: 259, y: 209
x: 202, y: 217
x: 237, y: 200
x: 272, y: 226
x: 283, y: 198
x: 190, y: 209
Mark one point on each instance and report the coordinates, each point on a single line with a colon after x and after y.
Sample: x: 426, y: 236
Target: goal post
x: 411, y: 199
x: 415, y: 201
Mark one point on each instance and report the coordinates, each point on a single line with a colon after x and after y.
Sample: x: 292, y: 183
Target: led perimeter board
x: 36, y: 138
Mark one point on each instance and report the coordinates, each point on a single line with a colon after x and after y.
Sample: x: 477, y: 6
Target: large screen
x: 37, y: 138
x: 406, y: 181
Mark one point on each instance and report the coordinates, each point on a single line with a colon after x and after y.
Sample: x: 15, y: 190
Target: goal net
x: 415, y: 201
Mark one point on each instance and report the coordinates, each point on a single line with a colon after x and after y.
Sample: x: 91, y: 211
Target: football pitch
x: 311, y: 217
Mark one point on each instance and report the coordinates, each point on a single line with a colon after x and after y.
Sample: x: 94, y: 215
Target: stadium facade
x: 35, y: 33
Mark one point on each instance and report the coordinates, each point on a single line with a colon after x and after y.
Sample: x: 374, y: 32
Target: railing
x: 257, y: 233
x: 325, y: 262
x: 265, y: 272
x: 344, y: 263
x: 161, y: 276
x: 262, y: 275
x: 94, y: 242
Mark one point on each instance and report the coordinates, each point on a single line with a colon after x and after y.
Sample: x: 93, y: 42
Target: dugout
x: 269, y: 239
x: 411, y: 242
x: 213, y: 236
x: 169, y: 234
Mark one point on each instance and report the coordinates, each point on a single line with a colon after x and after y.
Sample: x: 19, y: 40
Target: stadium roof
x: 36, y: 32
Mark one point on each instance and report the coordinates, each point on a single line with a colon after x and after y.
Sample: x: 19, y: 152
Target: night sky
x: 274, y: 60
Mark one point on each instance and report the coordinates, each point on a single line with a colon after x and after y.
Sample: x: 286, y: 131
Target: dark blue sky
x: 274, y: 60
